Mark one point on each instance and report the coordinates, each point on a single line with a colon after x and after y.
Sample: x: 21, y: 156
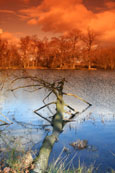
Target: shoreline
x: 43, y: 68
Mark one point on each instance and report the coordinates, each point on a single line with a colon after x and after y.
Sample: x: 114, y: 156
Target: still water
x: 96, y: 125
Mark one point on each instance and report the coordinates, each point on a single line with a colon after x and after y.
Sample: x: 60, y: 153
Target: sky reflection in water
x: 97, y: 124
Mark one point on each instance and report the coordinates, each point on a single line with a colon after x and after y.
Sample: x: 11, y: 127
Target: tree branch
x: 6, y: 118
x: 26, y: 86
x: 45, y: 102
x: 42, y: 108
x: 69, y: 94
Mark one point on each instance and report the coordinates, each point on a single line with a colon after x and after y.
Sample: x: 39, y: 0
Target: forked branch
x: 36, y: 111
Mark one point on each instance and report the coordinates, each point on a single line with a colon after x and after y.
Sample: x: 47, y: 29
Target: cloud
x: 104, y: 23
x: 33, y: 22
x: 109, y: 35
x: 26, y: 1
x: 58, y: 16
x: 110, y: 4
x: 61, y: 16
x: 11, y: 38
x: 1, y: 30
x: 7, y: 11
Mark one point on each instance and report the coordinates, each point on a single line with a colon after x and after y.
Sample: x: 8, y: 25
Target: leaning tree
x: 57, y: 121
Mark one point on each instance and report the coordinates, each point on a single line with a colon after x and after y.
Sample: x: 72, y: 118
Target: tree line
x: 69, y: 51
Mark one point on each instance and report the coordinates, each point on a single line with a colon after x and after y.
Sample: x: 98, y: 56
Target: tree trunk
x: 41, y: 162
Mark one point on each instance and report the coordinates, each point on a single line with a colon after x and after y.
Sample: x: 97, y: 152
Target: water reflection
x: 97, y: 125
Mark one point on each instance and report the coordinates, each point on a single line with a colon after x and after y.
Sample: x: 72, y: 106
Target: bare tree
x: 89, y: 40
x: 28, y: 49
x: 3, y: 52
x: 74, y: 38
x: 13, y: 57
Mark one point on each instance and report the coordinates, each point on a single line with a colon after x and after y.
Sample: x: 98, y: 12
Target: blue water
x: 101, y: 139
x: 97, y: 124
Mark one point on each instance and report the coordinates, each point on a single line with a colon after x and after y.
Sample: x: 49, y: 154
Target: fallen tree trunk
x: 41, y: 162
x: 57, y: 122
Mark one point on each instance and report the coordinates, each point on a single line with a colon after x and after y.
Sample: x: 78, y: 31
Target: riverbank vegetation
x: 13, y: 165
x: 73, y: 50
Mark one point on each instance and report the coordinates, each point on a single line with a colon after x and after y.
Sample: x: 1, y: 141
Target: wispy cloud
x: 7, y: 11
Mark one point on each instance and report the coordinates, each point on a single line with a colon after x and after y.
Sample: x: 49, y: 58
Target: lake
x: 96, y: 124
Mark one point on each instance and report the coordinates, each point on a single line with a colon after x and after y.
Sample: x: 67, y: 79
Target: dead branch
x: 45, y: 102
x: 6, y: 118
x: 36, y: 111
x: 45, y: 106
x: 42, y: 116
x: 3, y: 122
x: 69, y: 94
x: 26, y: 86
x: 71, y: 108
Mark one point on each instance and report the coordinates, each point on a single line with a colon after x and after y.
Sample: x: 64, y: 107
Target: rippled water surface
x: 97, y: 124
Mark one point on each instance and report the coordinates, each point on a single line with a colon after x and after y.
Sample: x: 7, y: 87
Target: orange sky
x: 50, y: 17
